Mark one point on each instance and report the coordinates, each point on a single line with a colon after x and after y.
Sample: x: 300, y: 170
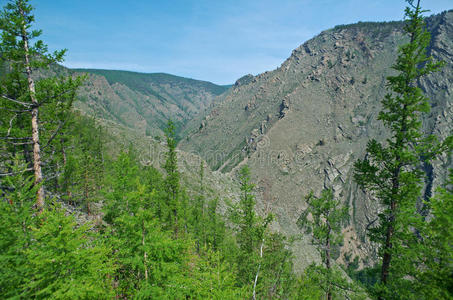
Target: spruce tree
x: 390, y: 171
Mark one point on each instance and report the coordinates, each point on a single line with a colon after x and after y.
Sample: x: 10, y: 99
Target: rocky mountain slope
x: 144, y: 102
x: 302, y: 126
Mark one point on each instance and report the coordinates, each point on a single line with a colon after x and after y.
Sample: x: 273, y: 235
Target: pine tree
x: 25, y: 100
x: 390, y: 170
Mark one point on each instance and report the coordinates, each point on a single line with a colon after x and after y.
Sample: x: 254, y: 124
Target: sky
x: 212, y: 40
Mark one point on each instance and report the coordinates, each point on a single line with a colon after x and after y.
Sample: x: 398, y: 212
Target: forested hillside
x: 93, y: 207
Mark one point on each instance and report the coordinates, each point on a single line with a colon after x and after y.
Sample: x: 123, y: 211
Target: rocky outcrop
x: 244, y: 80
x: 284, y: 108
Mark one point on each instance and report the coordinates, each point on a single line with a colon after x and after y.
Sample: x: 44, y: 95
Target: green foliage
x: 264, y: 264
x: 50, y: 102
x: 149, y: 258
x: 318, y: 281
x: 214, y: 278
x: 322, y: 220
x: 83, y: 166
x: 66, y: 260
x: 391, y: 172
x: 48, y: 255
x: 435, y: 280
x: 151, y: 261
x: 173, y: 211
x: 250, y: 229
x: 16, y: 218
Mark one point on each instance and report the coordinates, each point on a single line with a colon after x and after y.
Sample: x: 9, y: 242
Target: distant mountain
x: 144, y: 102
x: 302, y: 126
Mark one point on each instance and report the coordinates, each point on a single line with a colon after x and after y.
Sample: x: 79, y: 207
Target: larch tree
x: 172, y: 184
x: 251, y: 233
x: 322, y: 220
x: 391, y: 170
x: 32, y: 105
x: 435, y: 281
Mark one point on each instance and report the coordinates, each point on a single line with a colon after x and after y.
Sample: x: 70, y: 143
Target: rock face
x: 320, y: 108
x: 284, y: 108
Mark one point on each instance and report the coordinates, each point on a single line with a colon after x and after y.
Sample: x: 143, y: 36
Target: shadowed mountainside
x: 144, y: 102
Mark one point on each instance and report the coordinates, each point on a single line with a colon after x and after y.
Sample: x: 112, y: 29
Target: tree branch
x: 15, y: 173
x: 14, y: 138
x: 15, y: 110
x: 16, y: 101
x: 54, y: 134
x: 11, y: 124
x: 19, y: 144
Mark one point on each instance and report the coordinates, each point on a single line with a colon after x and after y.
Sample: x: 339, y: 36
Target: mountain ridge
x: 144, y: 101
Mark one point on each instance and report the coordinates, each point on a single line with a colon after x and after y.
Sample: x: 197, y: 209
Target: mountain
x: 134, y: 108
x: 302, y: 126
x: 144, y: 102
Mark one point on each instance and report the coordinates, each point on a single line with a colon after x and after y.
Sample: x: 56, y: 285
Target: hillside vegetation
x: 331, y: 173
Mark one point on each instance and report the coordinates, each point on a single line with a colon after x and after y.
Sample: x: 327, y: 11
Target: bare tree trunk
x: 65, y: 162
x: 86, y: 194
x: 258, y: 272
x: 34, y: 120
x: 145, y: 256
x: 329, y: 292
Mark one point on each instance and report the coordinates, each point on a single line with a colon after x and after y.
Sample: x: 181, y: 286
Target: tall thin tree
x: 390, y: 170
x: 172, y: 184
x: 322, y: 220
x: 22, y: 93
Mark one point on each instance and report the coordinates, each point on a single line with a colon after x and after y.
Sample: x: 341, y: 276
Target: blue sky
x: 213, y: 40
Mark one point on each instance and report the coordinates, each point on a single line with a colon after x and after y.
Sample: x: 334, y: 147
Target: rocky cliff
x: 302, y: 126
